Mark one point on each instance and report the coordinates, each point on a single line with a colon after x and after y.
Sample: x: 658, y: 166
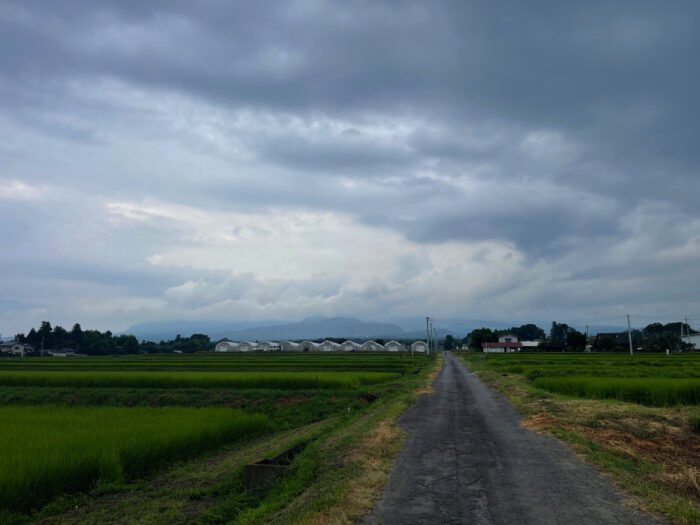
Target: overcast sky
x: 380, y: 159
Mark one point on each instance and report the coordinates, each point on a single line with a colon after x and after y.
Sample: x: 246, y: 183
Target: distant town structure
x: 226, y: 345
x: 506, y: 343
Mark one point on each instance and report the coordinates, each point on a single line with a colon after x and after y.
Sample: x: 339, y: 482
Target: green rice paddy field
x: 73, y: 425
x: 647, y: 379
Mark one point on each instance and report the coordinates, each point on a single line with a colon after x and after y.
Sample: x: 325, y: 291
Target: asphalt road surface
x: 467, y: 460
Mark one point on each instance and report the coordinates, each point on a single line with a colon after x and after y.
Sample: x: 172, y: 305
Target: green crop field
x: 178, y: 379
x: 71, y: 426
x: 647, y: 379
x: 211, y: 361
x: 50, y: 449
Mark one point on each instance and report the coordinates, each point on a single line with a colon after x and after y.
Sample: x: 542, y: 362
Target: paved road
x: 467, y: 460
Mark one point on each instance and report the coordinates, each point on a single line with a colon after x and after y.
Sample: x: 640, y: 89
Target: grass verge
x: 652, y: 454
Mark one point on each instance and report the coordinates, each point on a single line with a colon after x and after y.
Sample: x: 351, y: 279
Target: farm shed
x: 309, y: 346
x: 329, y: 346
x: 419, y: 346
x: 372, y: 346
x: 394, y: 346
x: 290, y: 346
x: 350, y: 346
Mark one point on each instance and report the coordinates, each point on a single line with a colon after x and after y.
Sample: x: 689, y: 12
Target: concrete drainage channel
x: 265, y: 471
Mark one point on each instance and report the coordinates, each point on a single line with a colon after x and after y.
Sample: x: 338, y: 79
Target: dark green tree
x: 575, y: 340
x: 449, y: 342
x: 478, y: 337
x: 559, y: 331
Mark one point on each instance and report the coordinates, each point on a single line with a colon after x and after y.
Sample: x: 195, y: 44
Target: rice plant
x: 47, y: 450
x: 646, y: 391
x: 179, y: 379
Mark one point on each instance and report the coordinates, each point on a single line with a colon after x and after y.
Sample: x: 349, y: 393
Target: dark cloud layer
x: 543, y: 126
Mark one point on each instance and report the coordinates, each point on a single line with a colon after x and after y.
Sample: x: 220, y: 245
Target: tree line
x: 655, y: 337
x: 94, y: 342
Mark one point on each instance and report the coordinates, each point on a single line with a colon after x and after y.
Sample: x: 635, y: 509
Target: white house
x: 329, y: 346
x: 419, y: 346
x: 268, y: 346
x: 289, y: 346
x: 309, y: 346
x: 247, y: 346
x: 693, y: 339
x: 350, y: 346
x: 16, y: 348
x: 506, y: 343
x: 372, y: 346
x: 226, y: 345
x: 394, y: 346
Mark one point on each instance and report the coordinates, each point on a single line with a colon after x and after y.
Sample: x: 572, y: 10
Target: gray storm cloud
x: 259, y: 160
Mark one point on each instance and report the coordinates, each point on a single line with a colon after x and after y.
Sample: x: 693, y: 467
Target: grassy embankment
x: 636, y: 418
x: 210, y: 490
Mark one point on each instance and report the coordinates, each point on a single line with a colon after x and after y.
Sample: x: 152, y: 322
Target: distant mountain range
x: 166, y: 330
x: 317, y: 329
x: 320, y: 328
x: 312, y: 328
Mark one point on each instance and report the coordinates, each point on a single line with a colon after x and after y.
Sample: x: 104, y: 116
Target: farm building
x: 529, y: 344
x: 372, y: 346
x: 506, y: 343
x: 350, y: 346
x: 419, y: 346
x: 16, y: 348
x: 267, y: 346
x: 247, y: 346
x: 693, y: 339
x: 226, y: 345
x: 309, y: 346
x: 394, y: 346
x: 329, y: 346
x: 289, y: 346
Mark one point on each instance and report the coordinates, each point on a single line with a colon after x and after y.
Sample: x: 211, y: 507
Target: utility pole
x: 427, y: 333
x: 629, y: 334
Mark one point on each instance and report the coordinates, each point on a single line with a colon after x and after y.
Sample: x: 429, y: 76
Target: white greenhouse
x: 394, y: 346
x: 372, y: 346
x: 247, y: 346
x: 329, y: 346
x: 268, y: 346
x: 225, y: 345
x: 419, y: 346
x: 290, y: 346
x: 350, y: 346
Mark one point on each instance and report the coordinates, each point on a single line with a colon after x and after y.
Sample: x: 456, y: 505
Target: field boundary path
x: 467, y: 460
